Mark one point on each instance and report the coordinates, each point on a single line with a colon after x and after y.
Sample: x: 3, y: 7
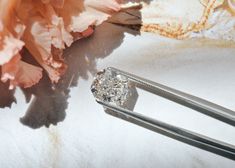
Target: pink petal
x: 78, y: 16
x: 20, y: 73
x: 10, y: 69
x: 9, y: 46
x: 27, y: 75
x: 45, y: 27
x: 11, y: 30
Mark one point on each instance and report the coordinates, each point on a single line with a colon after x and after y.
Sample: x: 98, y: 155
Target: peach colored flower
x: 45, y: 28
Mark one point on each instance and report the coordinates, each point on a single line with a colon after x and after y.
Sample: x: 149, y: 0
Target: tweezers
x: 213, y: 110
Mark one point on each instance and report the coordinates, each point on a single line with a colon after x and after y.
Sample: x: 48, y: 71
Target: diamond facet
x: 111, y: 88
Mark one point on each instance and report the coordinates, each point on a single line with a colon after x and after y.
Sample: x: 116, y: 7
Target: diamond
x: 111, y: 87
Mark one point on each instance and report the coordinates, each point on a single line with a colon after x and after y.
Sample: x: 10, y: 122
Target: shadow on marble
x: 48, y: 102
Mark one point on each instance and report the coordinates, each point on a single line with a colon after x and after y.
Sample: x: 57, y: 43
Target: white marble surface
x: 89, y: 138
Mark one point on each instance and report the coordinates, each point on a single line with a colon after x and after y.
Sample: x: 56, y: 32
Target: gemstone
x: 110, y: 87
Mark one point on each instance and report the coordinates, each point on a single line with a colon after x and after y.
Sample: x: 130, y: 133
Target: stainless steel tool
x: 114, y: 89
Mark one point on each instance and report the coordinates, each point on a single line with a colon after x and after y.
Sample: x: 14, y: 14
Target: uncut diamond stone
x: 111, y: 88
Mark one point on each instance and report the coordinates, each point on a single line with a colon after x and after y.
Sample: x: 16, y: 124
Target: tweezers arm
x: 177, y: 133
x: 196, y: 103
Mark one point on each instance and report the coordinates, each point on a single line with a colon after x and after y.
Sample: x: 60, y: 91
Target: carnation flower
x: 45, y: 28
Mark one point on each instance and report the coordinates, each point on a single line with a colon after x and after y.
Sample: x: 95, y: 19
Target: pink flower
x: 45, y: 28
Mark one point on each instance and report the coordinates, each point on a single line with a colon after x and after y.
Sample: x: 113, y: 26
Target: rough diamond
x: 110, y: 87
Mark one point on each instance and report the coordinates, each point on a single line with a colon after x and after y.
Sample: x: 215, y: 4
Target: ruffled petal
x: 80, y: 15
x: 45, y: 38
x: 54, y: 68
x: 106, y: 6
x: 20, y: 73
x: 27, y: 75
x: 45, y: 28
x: 10, y: 69
x: 10, y: 46
x: 11, y: 30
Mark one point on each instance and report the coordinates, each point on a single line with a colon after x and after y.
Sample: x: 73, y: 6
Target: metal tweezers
x: 183, y: 135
